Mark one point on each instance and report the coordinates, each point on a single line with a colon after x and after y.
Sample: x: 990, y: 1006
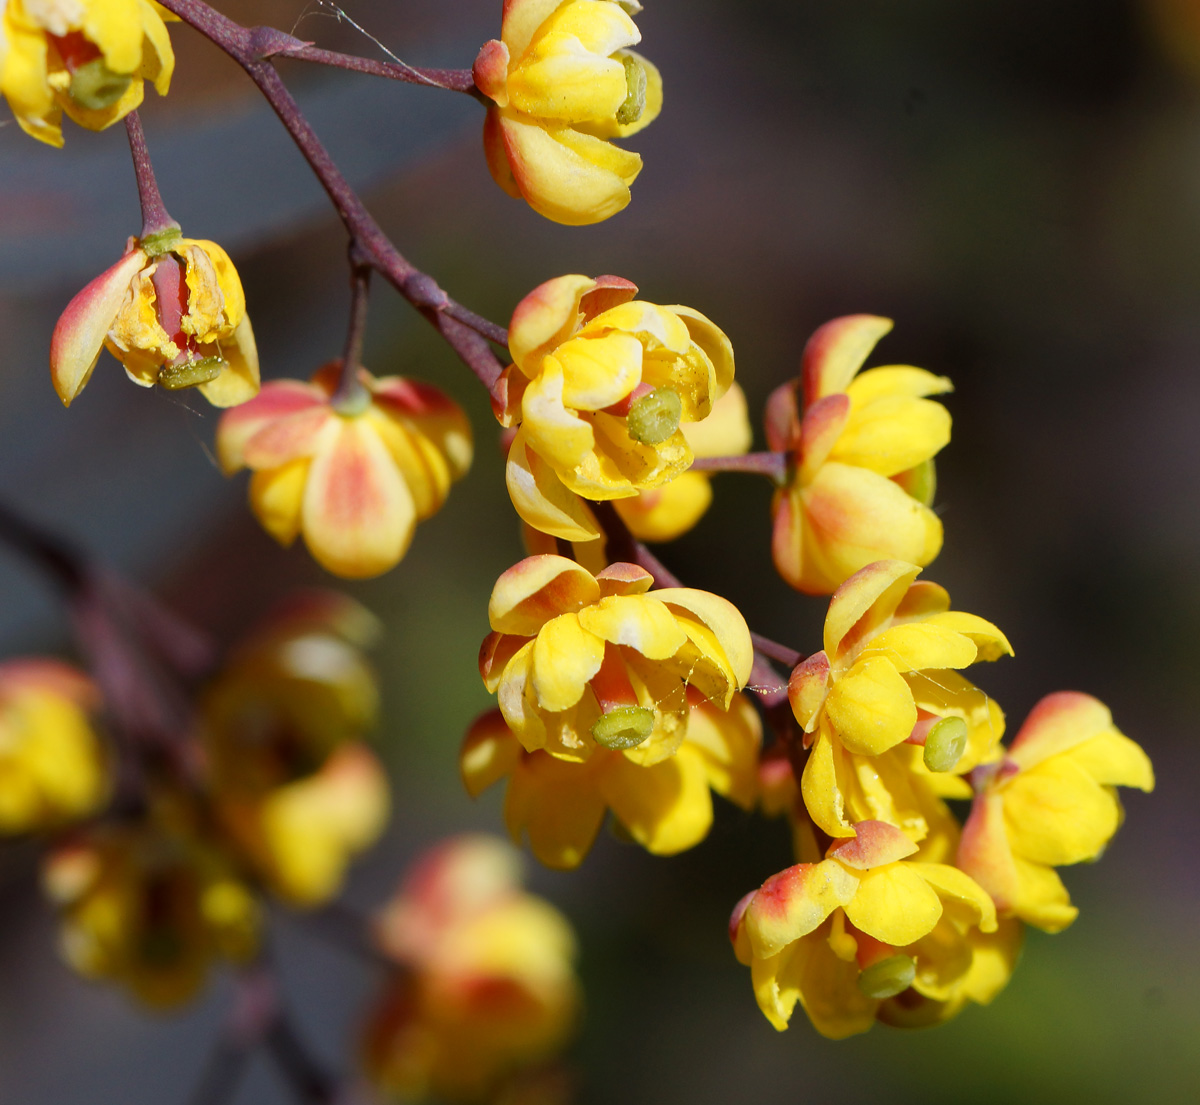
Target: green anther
x: 191, y: 373
x: 634, y: 104
x: 888, y: 977
x: 655, y: 417
x: 921, y: 482
x: 161, y: 241
x: 945, y: 743
x: 94, y: 86
x: 625, y: 727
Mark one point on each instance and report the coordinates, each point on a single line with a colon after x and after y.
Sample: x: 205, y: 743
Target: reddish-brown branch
x: 351, y: 394
x: 155, y: 218
x: 252, y: 50
x: 772, y: 465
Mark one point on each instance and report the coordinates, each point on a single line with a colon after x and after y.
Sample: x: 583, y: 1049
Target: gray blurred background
x: 1015, y: 182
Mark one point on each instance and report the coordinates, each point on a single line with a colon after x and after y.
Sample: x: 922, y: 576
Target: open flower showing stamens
x: 172, y: 311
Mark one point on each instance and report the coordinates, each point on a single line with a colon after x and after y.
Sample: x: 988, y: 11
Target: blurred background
x: 1015, y: 182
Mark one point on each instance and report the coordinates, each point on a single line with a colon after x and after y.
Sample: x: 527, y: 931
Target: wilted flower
x: 863, y: 471
x: 488, y: 988
x: 88, y: 58
x: 563, y: 82
x: 666, y: 807
x: 150, y: 909
x: 354, y: 482
x: 293, y: 784
x: 52, y: 766
x: 868, y: 932
x: 1051, y: 801
x: 172, y: 311
x: 885, y: 677
x: 599, y: 385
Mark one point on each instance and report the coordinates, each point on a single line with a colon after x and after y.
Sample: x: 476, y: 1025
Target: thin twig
x: 155, y: 218
x: 772, y: 465
x: 255, y: 1008
x: 307, y: 1077
x: 351, y: 395
x: 252, y: 50
x: 453, y: 80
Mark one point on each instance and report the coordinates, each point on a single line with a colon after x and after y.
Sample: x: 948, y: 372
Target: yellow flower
x: 1052, y: 801
x: 293, y: 785
x: 172, y: 311
x: 489, y: 986
x: 52, y: 766
x: 559, y: 804
x: 148, y: 909
x: 563, y: 81
x: 668, y: 512
x: 869, y: 933
x: 88, y: 58
x: 599, y: 385
x: 863, y: 471
x: 601, y: 673
x: 886, y: 676
x: 353, y: 482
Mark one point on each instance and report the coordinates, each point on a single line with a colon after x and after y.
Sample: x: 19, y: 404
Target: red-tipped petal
x: 837, y: 351
x: 877, y: 843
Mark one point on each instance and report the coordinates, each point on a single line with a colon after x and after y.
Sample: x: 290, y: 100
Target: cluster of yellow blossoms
x: 618, y: 691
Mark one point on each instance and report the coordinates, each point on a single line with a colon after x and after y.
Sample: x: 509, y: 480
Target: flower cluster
x: 485, y: 988
x: 611, y: 696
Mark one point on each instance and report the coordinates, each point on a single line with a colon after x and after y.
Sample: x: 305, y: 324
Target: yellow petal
x: 277, y: 497
x: 893, y: 433
x: 1056, y: 813
x: 544, y: 319
x: 542, y: 500
x: 666, y: 807
x: 837, y: 351
x: 557, y: 805
x: 1056, y: 724
x: 914, y: 646
x: 599, y: 371
x: 488, y: 754
x: 1042, y: 900
x: 537, y: 589
x: 823, y: 787
x: 565, y: 657
x: 894, y: 905
x: 239, y: 379
x: 870, y: 707
x: 865, y: 589
x: 665, y: 513
x: 728, y: 742
x: 735, y: 652
x: 640, y: 622
x: 551, y: 428
x: 725, y: 432
x: 895, y: 380
x: 960, y: 893
x: 991, y: 643
x: 566, y: 83
x: 1114, y: 760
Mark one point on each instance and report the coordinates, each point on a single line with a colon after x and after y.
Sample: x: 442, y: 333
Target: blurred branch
x: 772, y: 465
x: 253, y: 51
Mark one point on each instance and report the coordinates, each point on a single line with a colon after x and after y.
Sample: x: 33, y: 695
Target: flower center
x: 655, y: 417
x: 625, y: 727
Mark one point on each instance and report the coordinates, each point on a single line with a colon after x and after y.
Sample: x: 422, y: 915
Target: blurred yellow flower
x: 599, y: 386
x: 488, y: 988
x: 88, y: 58
x: 172, y: 311
x: 149, y: 909
x: 862, y: 454
x: 1051, y: 801
x: 353, y: 482
x: 563, y: 81
x: 52, y: 766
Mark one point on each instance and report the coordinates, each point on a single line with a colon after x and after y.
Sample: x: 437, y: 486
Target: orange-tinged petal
x: 922, y: 599
x: 488, y: 754
x: 358, y: 514
x: 1056, y: 813
x: 852, y: 600
x: 636, y: 621
x: 537, y: 589
x: 667, y: 512
x: 725, y: 622
x: 542, y: 500
x: 565, y: 657
x: 794, y: 902
x: 277, y: 400
x: 877, y: 843
x: 870, y: 707
x: 984, y: 852
x: 894, y: 905
x: 291, y: 437
x: 915, y: 646
x: 666, y: 807
x: 1057, y: 723
x: 490, y: 71
x: 624, y: 579
x: 545, y: 318
x: 515, y: 699
x: 837, y: 351
x: 557, y: 805
x: 494, y: 654
x: 80, y: 332
x: 820, y: 429
x: 807, y: 687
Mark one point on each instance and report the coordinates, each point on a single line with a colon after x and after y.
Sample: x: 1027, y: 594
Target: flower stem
x: 466, y: 333
x: 772, y: 465
x: 351, y: 395
x: 155, y: 218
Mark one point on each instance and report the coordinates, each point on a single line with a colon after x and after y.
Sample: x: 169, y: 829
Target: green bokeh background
x: 1016, y: 183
